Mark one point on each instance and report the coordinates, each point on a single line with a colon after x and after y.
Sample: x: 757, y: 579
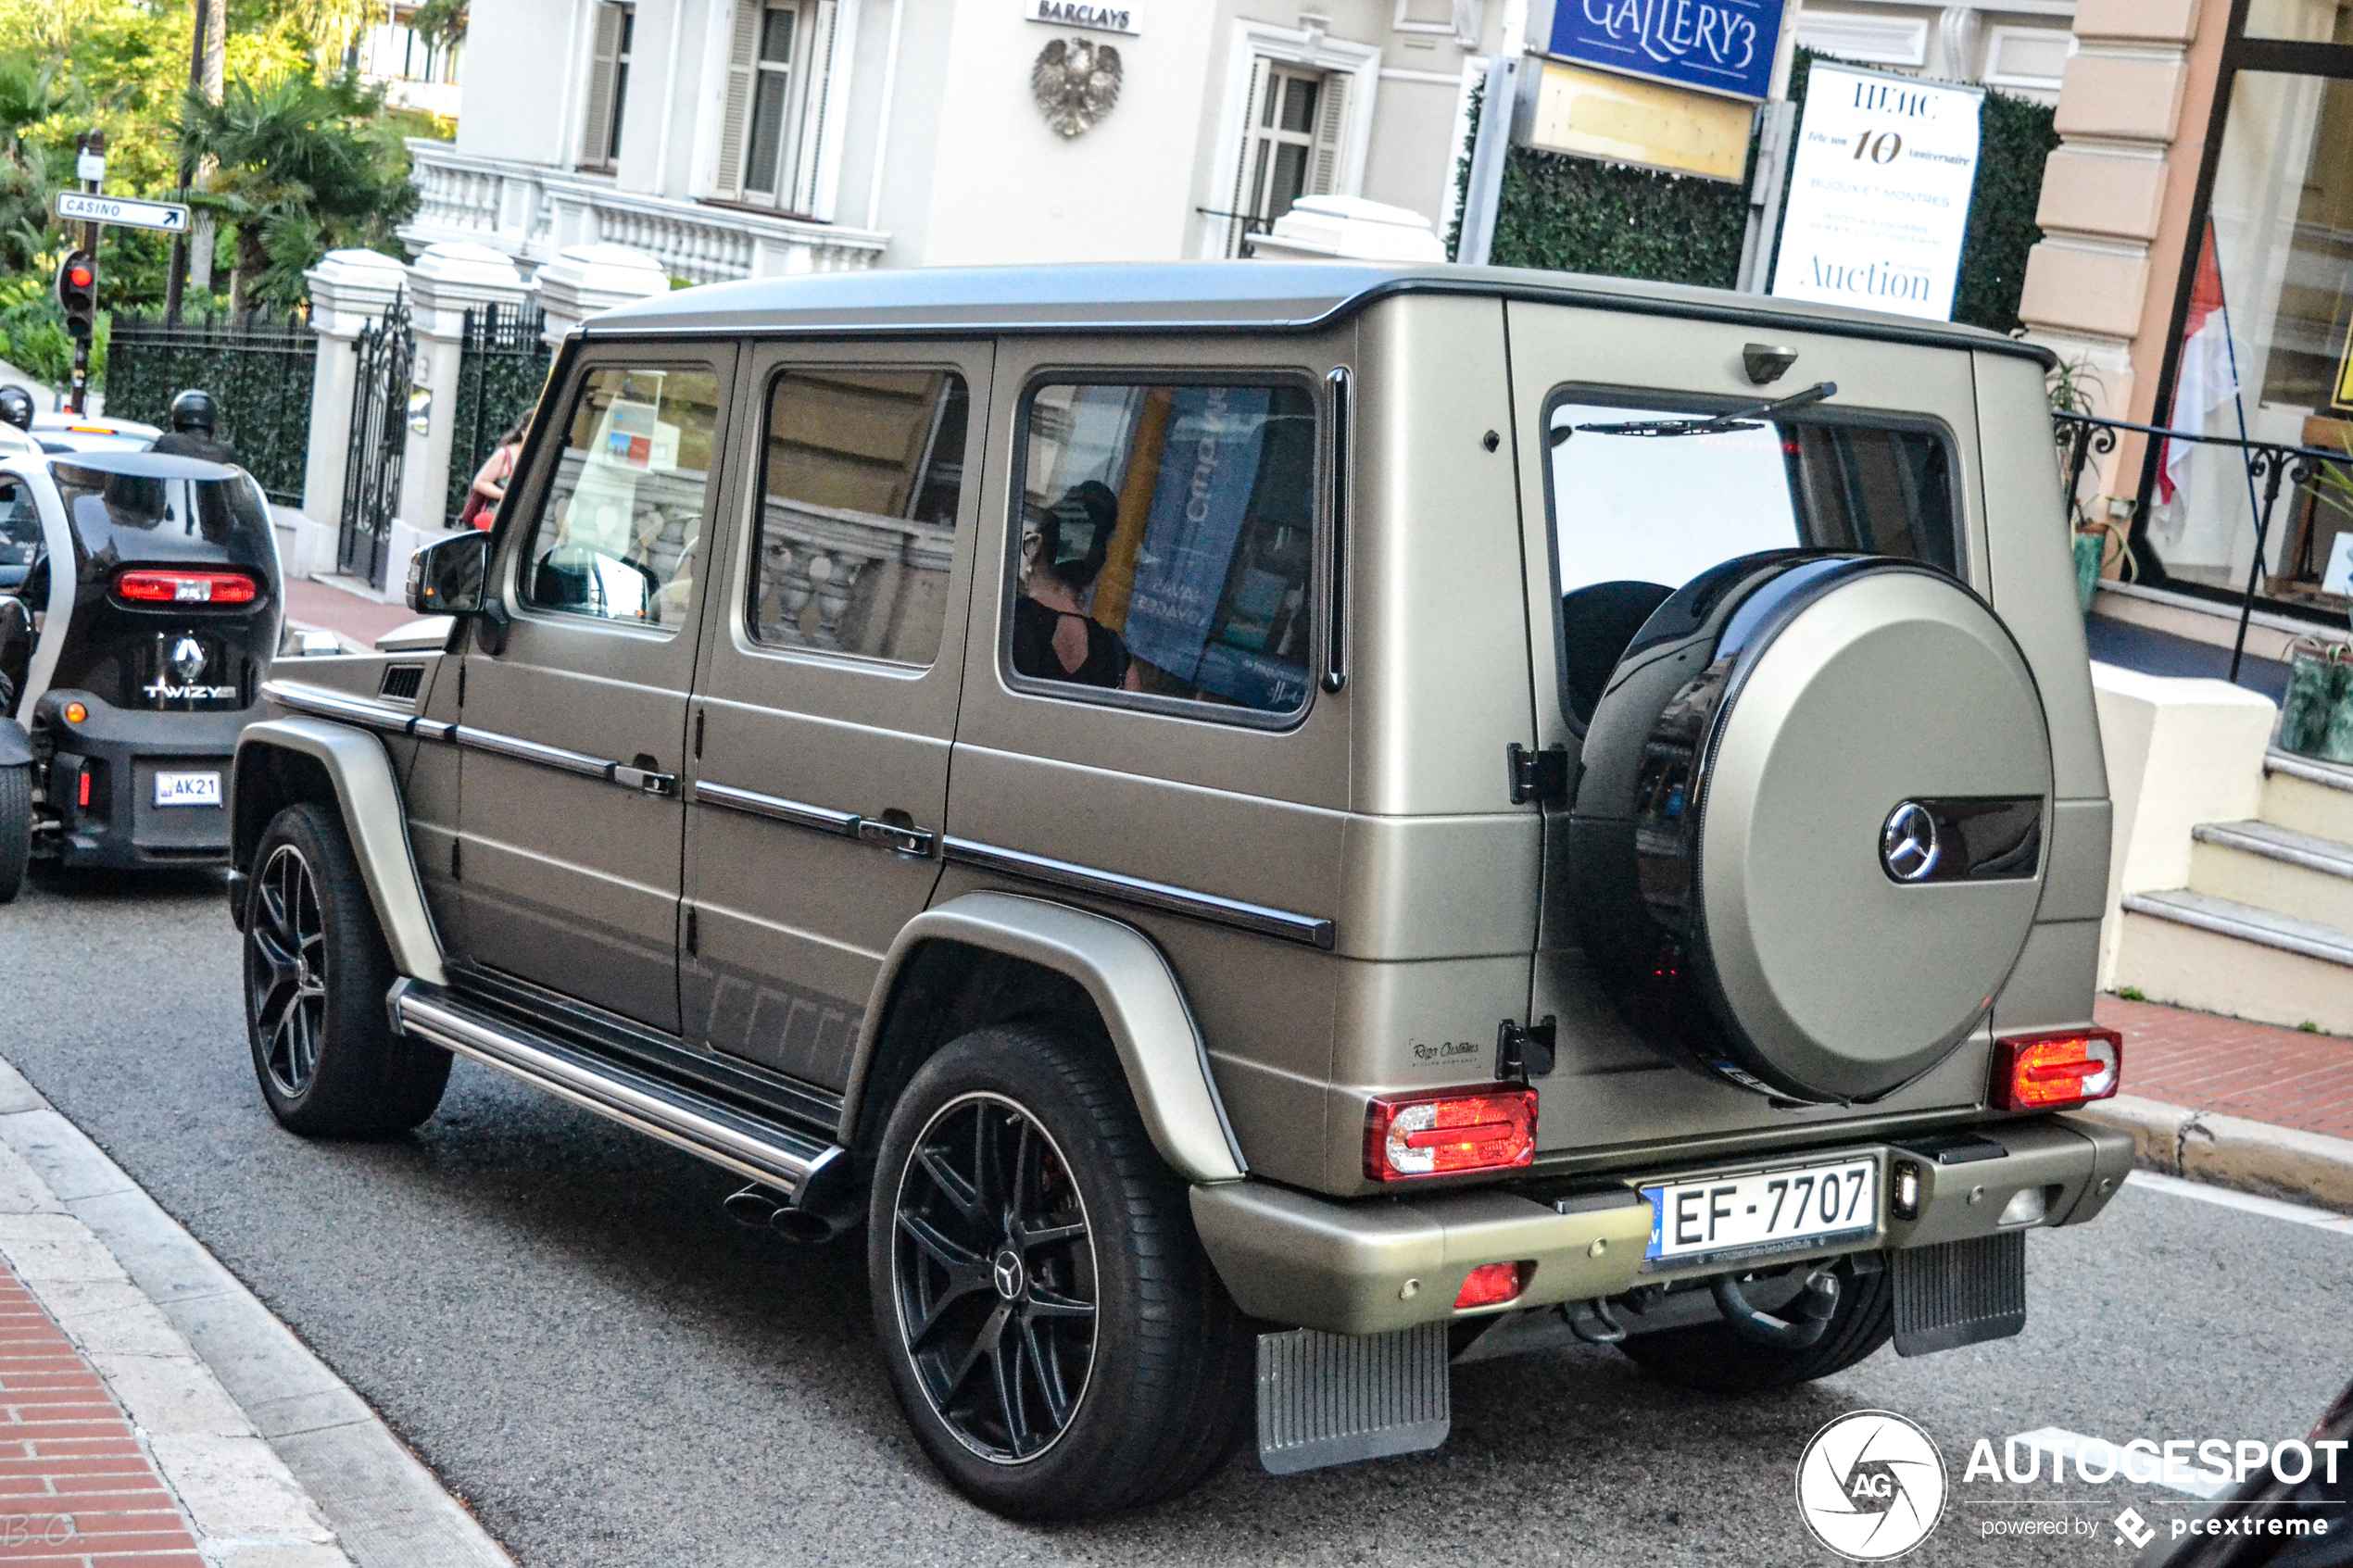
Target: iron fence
x: 502, y: 363
x: 388, y: 355
x: 2268, y: 464
x: 257, y: 368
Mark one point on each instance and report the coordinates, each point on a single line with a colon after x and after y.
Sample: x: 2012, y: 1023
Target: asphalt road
x: 557, y: 1316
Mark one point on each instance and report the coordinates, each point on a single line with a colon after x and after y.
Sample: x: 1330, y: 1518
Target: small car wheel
x: 16, y: 828
x: 1714, y: 1359
x: 1053, y: 1329
x: 316, y: 972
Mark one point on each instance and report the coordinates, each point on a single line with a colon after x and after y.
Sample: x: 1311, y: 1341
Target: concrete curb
x: 260, y: 1437
x: 2231, y: 1151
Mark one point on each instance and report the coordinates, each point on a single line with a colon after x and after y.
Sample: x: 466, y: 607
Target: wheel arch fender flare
x: 367, y: 796
x: 1136, y: 993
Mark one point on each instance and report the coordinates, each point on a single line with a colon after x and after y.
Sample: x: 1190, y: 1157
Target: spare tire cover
x: 1806, y: 843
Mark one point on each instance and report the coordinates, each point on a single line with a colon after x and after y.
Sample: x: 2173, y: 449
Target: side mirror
x: 446, y: 578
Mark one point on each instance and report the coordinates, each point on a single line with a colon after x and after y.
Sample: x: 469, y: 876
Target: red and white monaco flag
x: 2205, y: 379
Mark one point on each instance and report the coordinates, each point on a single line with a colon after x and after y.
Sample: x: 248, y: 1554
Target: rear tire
x: 316, y: 972
x: 1098, y: 1369
x: 1714, y: 1359
x: 16, y: 828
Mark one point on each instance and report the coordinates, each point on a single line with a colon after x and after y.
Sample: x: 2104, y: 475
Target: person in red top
x: 489, y: 487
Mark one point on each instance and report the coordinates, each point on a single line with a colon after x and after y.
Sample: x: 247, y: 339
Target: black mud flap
x: 1335, y: 1398
x: 1960, y: 1293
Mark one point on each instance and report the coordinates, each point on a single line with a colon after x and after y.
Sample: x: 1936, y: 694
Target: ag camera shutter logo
x: 1870, y: 1486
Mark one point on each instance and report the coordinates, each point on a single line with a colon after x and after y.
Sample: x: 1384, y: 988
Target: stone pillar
x: 583, y: 279
x: 2116, y: 194
x: 445, y: 282
x: 350, y: 290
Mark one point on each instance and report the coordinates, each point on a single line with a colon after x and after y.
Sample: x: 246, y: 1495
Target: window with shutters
x: 608, y: 84
x: 1292, y: 147
x: 775, y: 101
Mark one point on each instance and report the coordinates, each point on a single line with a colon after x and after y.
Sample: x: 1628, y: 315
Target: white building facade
x: 734, y: 138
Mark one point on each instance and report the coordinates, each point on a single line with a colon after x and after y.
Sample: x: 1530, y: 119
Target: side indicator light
x: 76, y: 713
x: 2052, y: 1072
x: 1491, y: 1284
x: 1449, y: 1132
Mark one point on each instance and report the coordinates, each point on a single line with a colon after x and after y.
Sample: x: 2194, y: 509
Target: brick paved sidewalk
x: 76, y: 1488
x: 2205, y: 1062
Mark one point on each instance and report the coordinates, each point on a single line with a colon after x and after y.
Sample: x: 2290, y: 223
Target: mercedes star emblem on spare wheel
x: 1907, y: 845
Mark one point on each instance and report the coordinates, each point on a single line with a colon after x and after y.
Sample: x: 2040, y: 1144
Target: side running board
x: 810, y: 1172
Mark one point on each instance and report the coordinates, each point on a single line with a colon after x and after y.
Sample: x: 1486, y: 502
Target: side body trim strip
x: 1255, y: 918
x: 819, y: 818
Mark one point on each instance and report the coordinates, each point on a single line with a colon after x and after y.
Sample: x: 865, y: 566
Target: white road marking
x: 2061, y: 1444
x: 2247, y: 1202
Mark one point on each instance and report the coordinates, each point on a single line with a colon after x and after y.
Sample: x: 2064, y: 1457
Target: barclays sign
x: 1723, y: 46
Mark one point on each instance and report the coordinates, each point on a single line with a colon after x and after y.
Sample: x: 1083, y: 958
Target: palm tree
x: 331, y: 25
x: 303, y: 164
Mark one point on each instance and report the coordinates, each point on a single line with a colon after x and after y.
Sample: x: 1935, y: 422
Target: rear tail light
x: 2052, y: 1071
x: 148, y: 585
x: 1491, y: 1284
x: 1448, y: 1133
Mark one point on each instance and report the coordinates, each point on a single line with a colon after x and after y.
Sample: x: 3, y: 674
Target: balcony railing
x: 531, y: 211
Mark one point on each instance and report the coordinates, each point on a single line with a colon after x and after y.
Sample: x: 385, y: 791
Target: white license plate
x: 1763, y: 1213
x: 187, y: 789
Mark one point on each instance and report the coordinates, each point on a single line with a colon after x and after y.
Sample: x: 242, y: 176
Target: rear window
x: 1646, y: 496
x: 138, y: 517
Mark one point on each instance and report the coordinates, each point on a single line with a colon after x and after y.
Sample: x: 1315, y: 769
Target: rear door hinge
x: 1537, y: 776
x: 1522, y: 1054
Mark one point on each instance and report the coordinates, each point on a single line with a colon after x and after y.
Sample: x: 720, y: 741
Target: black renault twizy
x: 140, y: 603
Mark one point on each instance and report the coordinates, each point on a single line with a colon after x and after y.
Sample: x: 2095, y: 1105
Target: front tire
x: 1714, y: 1359
x: 1053, y: 1329
x: 16, y: 828
x: 316, y: 972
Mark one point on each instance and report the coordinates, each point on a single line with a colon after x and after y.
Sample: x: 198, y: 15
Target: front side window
x: 1645, y: 498
x: 618, y: 535
x: 857, y: 525
x: 1168, y: 537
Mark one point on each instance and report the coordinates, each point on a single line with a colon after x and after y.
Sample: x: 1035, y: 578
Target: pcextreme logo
x: 1870, y: 1486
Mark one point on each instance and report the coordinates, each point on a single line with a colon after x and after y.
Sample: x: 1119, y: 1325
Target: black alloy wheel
x: 287, y: 970
x: 996, y: 1278
x: 317, y: 968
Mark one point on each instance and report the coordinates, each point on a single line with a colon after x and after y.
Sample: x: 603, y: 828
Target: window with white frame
x: 608, y: 84
x: 777, y: 88
x: 1290, y: 144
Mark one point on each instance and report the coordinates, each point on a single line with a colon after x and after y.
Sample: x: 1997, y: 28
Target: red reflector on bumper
x: 1491, y: 1284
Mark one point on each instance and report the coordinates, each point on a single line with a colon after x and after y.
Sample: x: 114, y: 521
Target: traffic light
x: 77, y: 292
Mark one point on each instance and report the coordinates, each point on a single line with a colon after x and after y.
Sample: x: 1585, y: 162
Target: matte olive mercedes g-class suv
x: 1248, y: 828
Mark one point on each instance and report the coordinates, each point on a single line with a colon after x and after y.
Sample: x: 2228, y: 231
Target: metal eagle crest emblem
x: 1076, y: 83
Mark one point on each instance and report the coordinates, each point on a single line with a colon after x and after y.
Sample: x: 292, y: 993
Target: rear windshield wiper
x: 1750, y: 417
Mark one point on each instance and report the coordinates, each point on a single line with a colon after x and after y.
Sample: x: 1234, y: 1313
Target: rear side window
x: 623, y: 524
x: 1645, y: 498
x: 1167, y: 543
x: 857, y: 525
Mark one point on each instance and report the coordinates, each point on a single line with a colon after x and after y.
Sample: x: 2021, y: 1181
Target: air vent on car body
x: 401, y: 683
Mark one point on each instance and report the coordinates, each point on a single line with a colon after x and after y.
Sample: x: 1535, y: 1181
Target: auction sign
x: 1879, y: 193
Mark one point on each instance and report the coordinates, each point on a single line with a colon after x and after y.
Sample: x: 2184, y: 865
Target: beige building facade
x: 2198, y: 266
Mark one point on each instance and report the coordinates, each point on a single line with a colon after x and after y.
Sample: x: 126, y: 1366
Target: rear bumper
x: 121, y: 750
x: 1375, y: 1265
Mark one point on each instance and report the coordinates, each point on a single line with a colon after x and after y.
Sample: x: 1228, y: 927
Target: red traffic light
x: 79, y: 276
x: 78, y: 291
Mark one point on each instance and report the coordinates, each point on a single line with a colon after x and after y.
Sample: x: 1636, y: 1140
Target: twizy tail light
x: 1491, y: 1284
x: 153, y: 587
x: 2052, y: 1071
x: 1451, y: 1132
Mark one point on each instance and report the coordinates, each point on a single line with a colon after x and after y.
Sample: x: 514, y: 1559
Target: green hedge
x: 1574, y: 215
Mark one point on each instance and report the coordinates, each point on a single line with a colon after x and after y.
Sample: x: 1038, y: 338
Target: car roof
x: 91, y: 424
x: 143, y: 465
x: 1212, y: 295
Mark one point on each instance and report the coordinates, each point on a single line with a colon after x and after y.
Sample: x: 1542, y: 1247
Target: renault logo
x: 1907, y: 845
x: 187, y: 657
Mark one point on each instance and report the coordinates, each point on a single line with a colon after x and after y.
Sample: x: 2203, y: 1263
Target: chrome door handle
x: 644, y: 780
x: 890, y: 836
